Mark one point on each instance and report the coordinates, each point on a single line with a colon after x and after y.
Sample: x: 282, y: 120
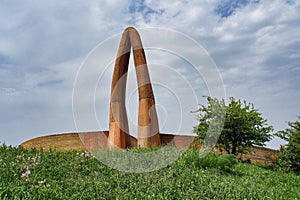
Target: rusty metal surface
x: 148, y: 129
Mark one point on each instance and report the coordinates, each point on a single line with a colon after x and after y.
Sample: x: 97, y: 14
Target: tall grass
x: 77, y: 175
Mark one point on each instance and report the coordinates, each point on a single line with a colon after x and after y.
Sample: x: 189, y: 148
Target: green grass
x: 71, y: 176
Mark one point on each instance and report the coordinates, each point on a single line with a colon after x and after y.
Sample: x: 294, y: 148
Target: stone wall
x: 261, y: 155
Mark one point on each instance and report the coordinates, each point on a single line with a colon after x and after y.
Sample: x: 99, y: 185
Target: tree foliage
x: 242, y: 125
x: 289, y: 157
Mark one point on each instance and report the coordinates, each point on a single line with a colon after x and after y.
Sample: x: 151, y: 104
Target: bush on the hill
x: 289, y: 156
x: 222, y: 162
x: 234, y: 127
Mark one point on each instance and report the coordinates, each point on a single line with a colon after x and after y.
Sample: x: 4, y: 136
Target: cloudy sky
x: 255, y: 45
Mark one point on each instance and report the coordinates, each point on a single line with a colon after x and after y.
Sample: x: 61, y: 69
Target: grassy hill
x: 32, y: 174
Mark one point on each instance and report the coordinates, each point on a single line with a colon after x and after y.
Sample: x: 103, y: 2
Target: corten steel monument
x: 148, y: 130
x: 118, y: 135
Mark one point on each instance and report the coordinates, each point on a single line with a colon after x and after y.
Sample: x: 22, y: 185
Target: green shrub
x: 289, y: 156
x: 226, y: 162
x: 223, y: 162
x: 209, y: 160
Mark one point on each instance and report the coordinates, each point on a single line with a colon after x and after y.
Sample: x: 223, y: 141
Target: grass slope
x: 72, y: 175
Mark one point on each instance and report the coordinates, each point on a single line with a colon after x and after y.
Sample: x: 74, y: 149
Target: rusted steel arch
x: 148, y: 130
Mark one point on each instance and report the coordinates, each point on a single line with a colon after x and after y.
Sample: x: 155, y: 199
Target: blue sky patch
x: 227, y: 7
x: 140, y: 6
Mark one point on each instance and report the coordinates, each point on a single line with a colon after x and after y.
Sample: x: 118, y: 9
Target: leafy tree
x: 242, y: 125
x: 289, y: 156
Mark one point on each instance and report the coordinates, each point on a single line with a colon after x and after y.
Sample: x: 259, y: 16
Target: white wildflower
x: 42, y: 182
x: 87, y: 155
x: 26, y: 173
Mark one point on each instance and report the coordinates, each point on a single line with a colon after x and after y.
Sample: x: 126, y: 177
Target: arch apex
x: 129, y: 28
